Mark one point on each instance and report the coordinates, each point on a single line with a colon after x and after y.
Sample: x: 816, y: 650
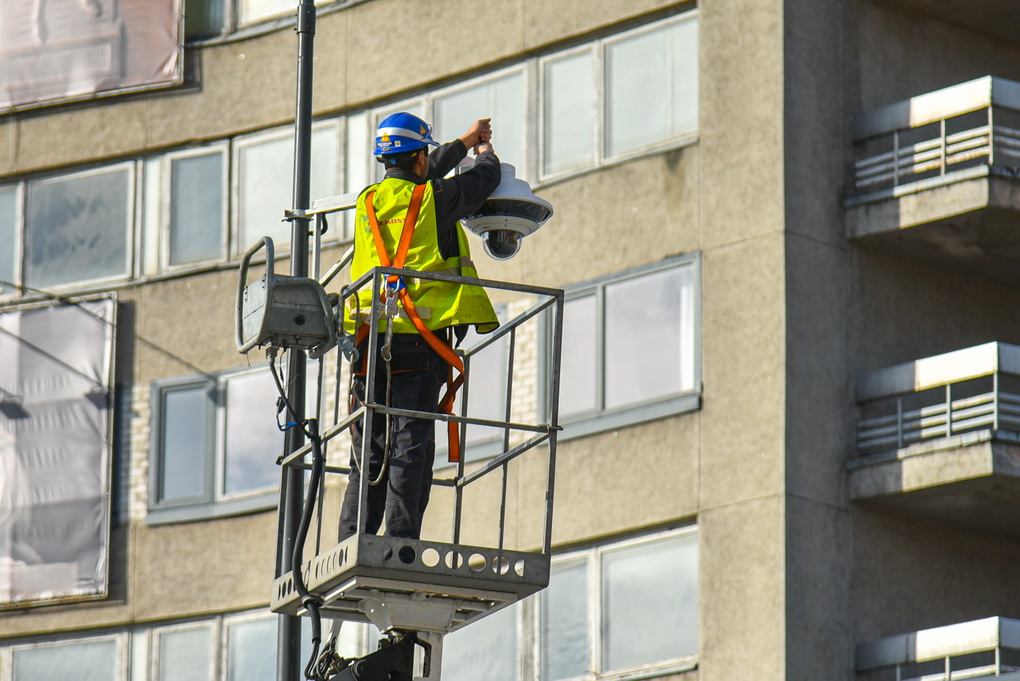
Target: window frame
x: 592, y: 559
x: 601, y: 419
x: 600, y: 158
x: 155, y: 634
x: 166, y: 205
x: 131, y: 238
x: 17, y: 255
x: 229, y: 621
x: 646, y: 150
x: 213, y: 502
x: 236, y: 248
x: 122, y: 659
x: 592, y: 48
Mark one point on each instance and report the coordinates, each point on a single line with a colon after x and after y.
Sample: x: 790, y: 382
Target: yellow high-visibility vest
x: 439, y: 304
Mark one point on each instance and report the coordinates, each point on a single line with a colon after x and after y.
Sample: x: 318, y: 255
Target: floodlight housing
x: 511, y: 213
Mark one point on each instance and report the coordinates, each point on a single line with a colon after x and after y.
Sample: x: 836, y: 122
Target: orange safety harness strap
x: 436, y: 343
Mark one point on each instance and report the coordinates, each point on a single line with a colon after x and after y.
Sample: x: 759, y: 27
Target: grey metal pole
x: 288, y: 661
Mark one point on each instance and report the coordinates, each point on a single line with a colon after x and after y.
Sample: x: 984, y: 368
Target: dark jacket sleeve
x: 460, y: 196
x: 445, y: 158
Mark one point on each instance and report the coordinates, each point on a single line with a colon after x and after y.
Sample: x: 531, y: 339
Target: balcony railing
x: 967, y: 390
x: 931, y: 139
x: 985, y: 648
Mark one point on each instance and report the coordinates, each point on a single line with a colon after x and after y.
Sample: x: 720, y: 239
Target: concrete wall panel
x: 741, y: 120
x: 640, y: 476
x: 901, y: 54
x: 741, y: 591
x: 396, y: 45
x: 911, y: 574
x: 244, y: 85
x: 820, y: 416
x: 75, y: 135
x: 201, y: 568
x: 547, y: 22
x: 744, y: 367
x: 194, y: 333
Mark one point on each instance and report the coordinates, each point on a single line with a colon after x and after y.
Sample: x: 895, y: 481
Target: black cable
x: 311, y: 602
x: 310, y: 427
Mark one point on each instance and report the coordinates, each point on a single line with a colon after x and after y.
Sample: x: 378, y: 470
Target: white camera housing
x: 511, y: 213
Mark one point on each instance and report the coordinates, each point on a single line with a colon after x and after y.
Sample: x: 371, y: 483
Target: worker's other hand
x: 482, y: 148
x: 479, y: 133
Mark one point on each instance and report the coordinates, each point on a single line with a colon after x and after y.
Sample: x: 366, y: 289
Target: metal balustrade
x: 932, y: 136
x: 985, y: 648
x: 938, y: 397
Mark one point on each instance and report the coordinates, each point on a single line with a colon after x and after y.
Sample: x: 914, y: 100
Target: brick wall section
x: 138, y: 414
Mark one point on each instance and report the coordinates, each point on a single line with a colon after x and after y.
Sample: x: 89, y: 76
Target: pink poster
x: 53, y: 51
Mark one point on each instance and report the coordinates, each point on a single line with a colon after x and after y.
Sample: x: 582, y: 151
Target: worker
x: 414, y: 366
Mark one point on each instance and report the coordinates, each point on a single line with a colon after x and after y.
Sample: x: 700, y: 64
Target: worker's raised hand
x: 479, y: 133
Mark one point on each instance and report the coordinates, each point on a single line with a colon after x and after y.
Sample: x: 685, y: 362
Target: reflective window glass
x: 196, y: 208
x: 484, y: 649
x: 651, y: 87
x: 203, y: 17
x: 502, y: 100
x: 78, y: 228
x: 184, y: 443
x: 251, y: 651
x: 578, y: 368
x: 252, y: 440
x: 564, y: 628
x: 186, y: 655
x: 81, y: 661
x: 8, y: 238
x: 568, y: 112
x: 266, y: 184
x: 642, y: 312
x: 256, y: 10
x: 646, y: 590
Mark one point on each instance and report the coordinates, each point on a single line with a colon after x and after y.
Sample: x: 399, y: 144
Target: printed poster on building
x: 59, y: 50
x: 55, y: 451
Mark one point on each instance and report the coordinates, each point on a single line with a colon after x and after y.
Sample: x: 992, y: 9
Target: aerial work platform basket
x: 437, y: 584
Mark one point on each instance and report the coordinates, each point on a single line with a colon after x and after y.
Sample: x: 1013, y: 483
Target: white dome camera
x: 511, y: 213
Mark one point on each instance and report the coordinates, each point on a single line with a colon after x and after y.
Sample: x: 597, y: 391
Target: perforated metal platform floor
x: 412, y: 584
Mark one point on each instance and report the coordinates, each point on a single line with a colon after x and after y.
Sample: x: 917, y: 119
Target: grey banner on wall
x: 59, y: 50
x: 56, y: 368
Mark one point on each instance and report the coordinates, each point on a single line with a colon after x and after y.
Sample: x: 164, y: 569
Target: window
x: 486, y: 391
x: 614, y: 611
x: 184, y: 654
x: 215, y: 442
x: 198, y: 207
x: 489, y: 644
x: 8, y: 235
x: 610, y: 377
x: 236, y: 646
x: 651, y: 99
x: 569, y: 108
x: 502, y: 98
x: 606, y: 610
x: 251, y: 650
x: 78, y: 227
x: 250, y: 11
x: 620, y: 96
x: 84, y: 660
x: 265, y: 182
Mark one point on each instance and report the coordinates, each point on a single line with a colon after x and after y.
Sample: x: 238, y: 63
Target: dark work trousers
x: 418, y: 374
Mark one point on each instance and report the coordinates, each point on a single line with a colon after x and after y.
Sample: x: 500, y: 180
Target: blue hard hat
x: 402, y: 132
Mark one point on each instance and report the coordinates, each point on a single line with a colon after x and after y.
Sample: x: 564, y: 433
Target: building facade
x: 784, y: 234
